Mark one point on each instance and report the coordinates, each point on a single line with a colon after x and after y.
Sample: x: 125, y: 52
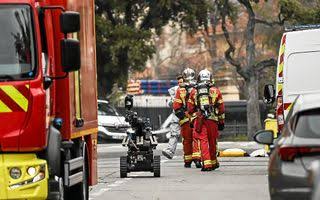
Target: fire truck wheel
x: 81, y: 190
x: 53, y: 153
x: 61, y: 189
x: 123, y: 166
x: 56, y: 189
x: 156, y: 166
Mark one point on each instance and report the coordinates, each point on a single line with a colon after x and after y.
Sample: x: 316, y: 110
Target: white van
x: 298, y: 70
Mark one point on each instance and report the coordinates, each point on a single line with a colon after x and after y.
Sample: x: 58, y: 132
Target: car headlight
x: 15, y: 173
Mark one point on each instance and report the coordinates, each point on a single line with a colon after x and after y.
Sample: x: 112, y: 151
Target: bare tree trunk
x: 253, y: 109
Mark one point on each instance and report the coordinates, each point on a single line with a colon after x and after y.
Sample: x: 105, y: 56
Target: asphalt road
x: 242, y: 178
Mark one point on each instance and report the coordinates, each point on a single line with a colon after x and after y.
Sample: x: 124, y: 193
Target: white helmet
x: 204, y: 76
x: 188, y: 75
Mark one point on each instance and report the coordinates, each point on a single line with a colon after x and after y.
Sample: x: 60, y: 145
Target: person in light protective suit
x: 206, y: 101
x: 174, y: 125
x: 190, y: 146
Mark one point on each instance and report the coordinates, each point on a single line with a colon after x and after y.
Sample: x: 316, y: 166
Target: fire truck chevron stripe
x: 10, y: 103
x: 23, y: 90
x: 287, y: 106
x: 4, y: 108
x: 16, y: 96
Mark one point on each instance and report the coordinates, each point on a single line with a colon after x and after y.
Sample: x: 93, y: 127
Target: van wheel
x: 156, y: 166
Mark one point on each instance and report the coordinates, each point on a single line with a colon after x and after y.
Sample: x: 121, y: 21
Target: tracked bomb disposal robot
x: 140, y: 143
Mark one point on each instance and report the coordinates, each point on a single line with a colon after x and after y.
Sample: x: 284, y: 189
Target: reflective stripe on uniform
x: 183, y: 94
x: 213, y: 117
x: 214, y: 162
x: 178, y: 100
x: 222, y: 116
x: 214, y: 96
x: 207, y: 162
x: 196, y: 155
x: 188, y: 157
x: 181, y: 122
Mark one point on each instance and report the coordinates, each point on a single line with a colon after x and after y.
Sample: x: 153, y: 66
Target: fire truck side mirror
x: 269, y: 94
x: 70, y: 22
x: 70, y: 55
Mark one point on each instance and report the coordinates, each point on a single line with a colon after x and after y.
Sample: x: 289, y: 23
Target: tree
x: 300, y: 11
x: 125, y: 30
x: 248, y: 66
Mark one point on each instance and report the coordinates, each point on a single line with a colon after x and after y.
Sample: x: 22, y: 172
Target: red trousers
x: 207, y: 138
x: 191, y: 148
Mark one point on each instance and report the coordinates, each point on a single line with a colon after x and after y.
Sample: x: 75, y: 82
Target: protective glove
x: 220, y: 126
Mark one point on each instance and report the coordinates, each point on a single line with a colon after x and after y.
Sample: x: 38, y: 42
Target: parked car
x: 294, y: 151
x: 111, y: 125
x: 314, y: 179
x: 163, y: 133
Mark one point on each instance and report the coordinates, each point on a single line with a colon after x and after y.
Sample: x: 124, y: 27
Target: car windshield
x: 308, y: 125
x: 106, y: 109
x: 17, y: 52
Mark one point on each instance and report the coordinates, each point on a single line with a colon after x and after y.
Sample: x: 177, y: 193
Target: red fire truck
x: 48, y: 104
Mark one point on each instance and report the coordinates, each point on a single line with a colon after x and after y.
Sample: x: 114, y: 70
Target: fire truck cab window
x: 17, y: 52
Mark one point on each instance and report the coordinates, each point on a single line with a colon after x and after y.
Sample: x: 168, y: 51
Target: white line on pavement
x: 109, y: 187
x: 100, y: 192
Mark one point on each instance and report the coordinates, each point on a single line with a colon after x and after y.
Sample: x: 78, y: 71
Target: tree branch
x: 265, y: 63
x: 153, y: 13
x: 250, y: 29
x: 270, y: 23
x: 108, y: 9
x: 230, y: 51
x: 128, y: 14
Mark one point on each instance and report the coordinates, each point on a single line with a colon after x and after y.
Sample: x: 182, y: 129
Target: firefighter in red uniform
x: 206, y: 101
x: 190, y: 145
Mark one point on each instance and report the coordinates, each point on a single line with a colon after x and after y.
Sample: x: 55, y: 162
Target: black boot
x: 197, y: 163
x: 187, y: 165
x: 216, y: 166
x: 206, y: 169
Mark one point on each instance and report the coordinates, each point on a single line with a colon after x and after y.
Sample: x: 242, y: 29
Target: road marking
x: 118, y: 183
x: 114, y: 185
x: 109, y: 187
x: 164, y: 161
x: 100, y: 192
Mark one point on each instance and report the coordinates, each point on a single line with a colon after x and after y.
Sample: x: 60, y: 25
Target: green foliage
x: 125, y: 30
x: 300, y: 11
